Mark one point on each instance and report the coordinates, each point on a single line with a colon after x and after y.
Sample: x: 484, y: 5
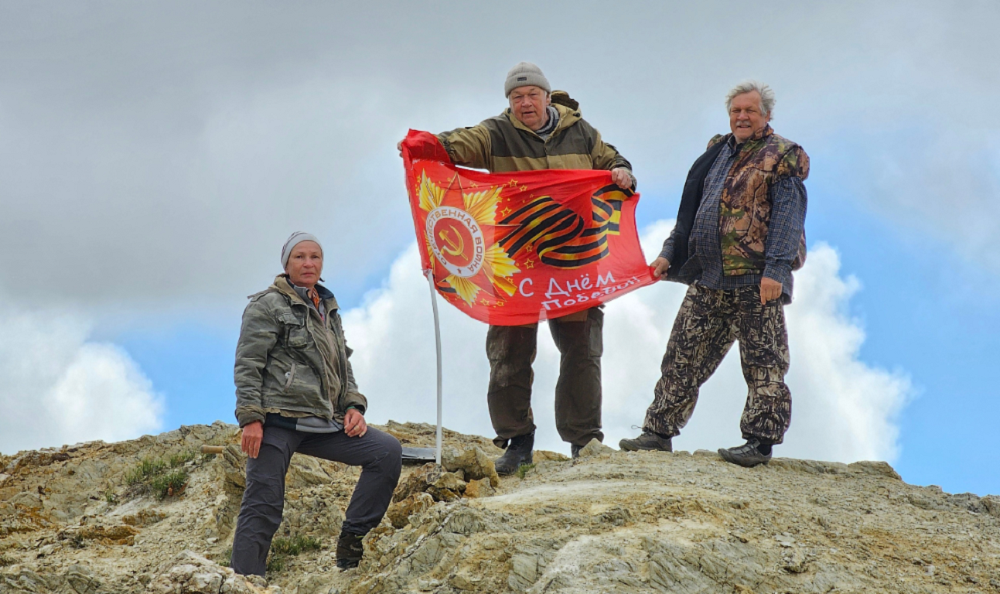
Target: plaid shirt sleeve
x: 788, y: 217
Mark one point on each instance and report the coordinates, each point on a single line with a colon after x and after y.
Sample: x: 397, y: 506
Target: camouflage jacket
x: 502, y: 143
x: 289, y: 359
x: 745, y: 204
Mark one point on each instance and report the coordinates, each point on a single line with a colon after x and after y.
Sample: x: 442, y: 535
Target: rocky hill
x: 154, y: 515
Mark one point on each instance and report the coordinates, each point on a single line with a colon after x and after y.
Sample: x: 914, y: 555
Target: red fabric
x: 515, y: 248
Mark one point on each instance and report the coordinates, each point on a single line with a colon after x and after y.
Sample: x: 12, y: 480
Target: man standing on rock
x: 738, y: 236
x: 540, y: 130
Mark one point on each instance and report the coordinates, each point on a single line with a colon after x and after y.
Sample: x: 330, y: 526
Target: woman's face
x: 305, y: 264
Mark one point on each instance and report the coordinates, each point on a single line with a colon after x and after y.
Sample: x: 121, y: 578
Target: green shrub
x: 169, y: 484
x: 154, y: 475
x: 147, y: 468
x: 282, y: 548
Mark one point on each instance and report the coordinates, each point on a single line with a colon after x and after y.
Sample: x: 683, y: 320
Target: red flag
x: 515, y: 248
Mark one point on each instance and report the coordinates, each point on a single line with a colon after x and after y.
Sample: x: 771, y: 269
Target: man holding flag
x: 540, y: 130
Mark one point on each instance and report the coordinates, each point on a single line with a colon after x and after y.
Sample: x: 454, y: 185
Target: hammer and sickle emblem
x: 453, y: 249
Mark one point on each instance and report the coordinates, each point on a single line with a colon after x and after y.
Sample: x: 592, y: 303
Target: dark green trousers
x: 511, y: 351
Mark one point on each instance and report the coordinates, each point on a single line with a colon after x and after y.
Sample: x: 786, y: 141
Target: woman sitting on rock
x: 295, y: 392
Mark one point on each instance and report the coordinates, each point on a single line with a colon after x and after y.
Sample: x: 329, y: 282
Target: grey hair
x: 748, y: 86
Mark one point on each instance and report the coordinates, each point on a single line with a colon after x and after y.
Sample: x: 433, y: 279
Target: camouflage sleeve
x: 354, y: 397
x: 794, y: 163
x: 469, y: 147
x: 606, y: 156
x: 258, y: 335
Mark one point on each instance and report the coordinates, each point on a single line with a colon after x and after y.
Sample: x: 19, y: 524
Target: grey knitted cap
x: 525, y: 74
x: 294, y: 240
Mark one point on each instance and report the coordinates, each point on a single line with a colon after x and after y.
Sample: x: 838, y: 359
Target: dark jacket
x: 745, y: 204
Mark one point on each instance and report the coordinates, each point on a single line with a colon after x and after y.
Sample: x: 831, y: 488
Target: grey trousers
x: 511, y: 351
x: 378, y: 454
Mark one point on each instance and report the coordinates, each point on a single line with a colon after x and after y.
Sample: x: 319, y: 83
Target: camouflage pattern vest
x: 745, y: 204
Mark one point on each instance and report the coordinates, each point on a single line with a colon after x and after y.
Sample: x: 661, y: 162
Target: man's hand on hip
x: 354, y: 423
x: 622, y: 177
x: 659, y: 267
x: 253, y: 434
x: 770, y: 289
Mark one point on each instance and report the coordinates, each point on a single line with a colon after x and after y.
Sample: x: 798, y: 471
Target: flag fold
x: 516, y: 248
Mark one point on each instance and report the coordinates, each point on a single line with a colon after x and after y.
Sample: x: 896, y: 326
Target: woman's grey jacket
x: 289, y: 359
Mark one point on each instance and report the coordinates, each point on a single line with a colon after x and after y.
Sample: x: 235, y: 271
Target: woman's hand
x: 354, y: 423
x: 253, y: 434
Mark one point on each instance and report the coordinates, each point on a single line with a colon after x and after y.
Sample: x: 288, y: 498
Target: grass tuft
x: 283, y: 548
x: 227, y: 558
x: 169, y: 484
x: 162, y: 478
x: 524, y: 469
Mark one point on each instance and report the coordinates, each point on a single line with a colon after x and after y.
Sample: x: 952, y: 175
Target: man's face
x: 305, y: 264
x: 528, y: 104
x: 745, y: 117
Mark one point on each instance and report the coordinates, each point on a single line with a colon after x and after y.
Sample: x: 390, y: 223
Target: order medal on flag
x: 516, y: 248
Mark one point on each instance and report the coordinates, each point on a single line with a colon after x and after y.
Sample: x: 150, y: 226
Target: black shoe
x: 647, y: 441
x: 748, y: 455
x: 349, y: 550
x: 575, y: 450
x: 518, y: 453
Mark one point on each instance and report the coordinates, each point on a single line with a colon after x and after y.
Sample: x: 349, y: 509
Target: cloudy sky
x: 154, y: 157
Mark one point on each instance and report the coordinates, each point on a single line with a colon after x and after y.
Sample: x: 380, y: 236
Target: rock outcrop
x: 75, y: 520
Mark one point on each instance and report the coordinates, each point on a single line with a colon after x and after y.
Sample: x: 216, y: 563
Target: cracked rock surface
x: 608, y: 522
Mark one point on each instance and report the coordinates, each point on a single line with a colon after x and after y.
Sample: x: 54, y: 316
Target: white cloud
x: 843, y: 409
x: 185, y: 145
x: 58, y: 388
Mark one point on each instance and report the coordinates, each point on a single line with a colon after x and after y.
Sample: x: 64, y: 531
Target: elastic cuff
x: 249, y: 414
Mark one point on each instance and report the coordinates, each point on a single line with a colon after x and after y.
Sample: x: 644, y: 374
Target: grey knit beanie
x: 294, y: 240
x: 525, y: 74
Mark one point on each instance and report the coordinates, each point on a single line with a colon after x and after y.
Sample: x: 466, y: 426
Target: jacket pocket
x: 296, y: 335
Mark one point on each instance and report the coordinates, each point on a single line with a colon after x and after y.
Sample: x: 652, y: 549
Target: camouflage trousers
x: 707, y: 324
x: 511, y: 351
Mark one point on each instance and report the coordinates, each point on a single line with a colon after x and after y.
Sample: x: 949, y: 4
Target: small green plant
x: 275, y: 563
x: 227, y: 558
x: 147, y: 468
x: 524, y: 469
x: 154, y: 475
x: 282, y: 548
x: 169, y: 484
x: 110, y: 496
x: 180, y: 459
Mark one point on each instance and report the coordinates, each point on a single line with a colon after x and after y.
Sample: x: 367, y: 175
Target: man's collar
x: 762, y: 133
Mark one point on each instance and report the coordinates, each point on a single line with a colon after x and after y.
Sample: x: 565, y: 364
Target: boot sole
x: 728, y: 457
x: 634, y: 448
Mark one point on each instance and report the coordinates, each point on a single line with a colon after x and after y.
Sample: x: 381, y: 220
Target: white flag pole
x: 437, y: 339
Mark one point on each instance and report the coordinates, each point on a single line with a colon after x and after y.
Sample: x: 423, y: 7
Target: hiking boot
x: 575, y: 450
x: 647, y: 441
x: 349, y: 550
x: 518, y: 453
x: 748, y: 455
